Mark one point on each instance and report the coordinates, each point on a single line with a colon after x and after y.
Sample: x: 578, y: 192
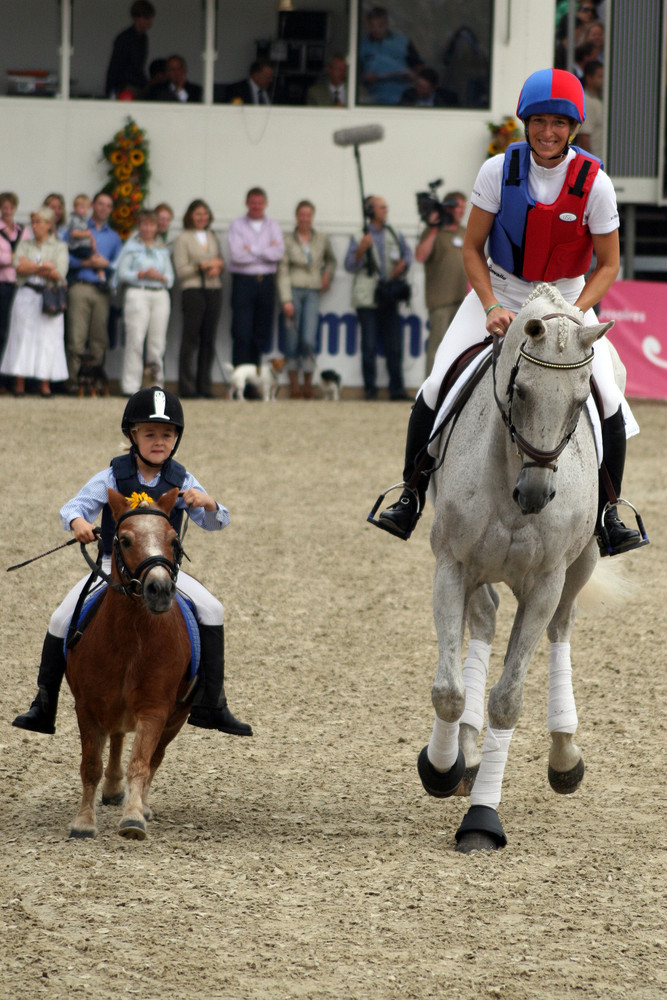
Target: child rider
x: 153, y: 421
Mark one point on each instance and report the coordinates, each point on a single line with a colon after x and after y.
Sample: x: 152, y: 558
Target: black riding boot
x: 209, y: 709
x: 401, y: 518
x: 41, y: 716
x: 614, y: 537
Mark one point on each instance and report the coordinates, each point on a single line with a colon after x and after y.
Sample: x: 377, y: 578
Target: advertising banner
x: 639, y: 334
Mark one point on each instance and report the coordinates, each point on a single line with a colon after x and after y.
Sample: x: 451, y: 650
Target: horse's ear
x: 167, y: 500
x: 118, y: 503
x: 597, y: 330
x: 534, y: 328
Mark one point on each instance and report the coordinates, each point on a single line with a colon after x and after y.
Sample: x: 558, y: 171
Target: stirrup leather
x: 379, y: 524
x: 604, y: 544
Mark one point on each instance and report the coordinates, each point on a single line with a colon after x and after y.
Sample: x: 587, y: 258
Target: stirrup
x: 603, y: 537
x: 385, y: 527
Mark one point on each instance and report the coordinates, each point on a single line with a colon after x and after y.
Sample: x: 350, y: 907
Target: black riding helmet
x: 153, y: 405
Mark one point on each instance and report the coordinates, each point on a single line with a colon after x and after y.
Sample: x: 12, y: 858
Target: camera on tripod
x: 428, y: 203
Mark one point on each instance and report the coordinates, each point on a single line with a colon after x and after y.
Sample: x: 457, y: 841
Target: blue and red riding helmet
x: 552, y: 91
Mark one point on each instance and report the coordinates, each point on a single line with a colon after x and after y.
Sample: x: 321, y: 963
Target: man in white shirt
x: 332, y: 92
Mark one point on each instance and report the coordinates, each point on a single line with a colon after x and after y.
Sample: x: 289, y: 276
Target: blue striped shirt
x: 92, y: 497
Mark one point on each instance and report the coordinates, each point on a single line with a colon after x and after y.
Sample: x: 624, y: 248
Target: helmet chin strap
x: 558, y: 156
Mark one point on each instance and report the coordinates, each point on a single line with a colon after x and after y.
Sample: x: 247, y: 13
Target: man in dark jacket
x: 176, y: 87
x: 126, y: 70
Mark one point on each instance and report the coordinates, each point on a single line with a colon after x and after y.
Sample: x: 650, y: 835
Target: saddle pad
x: 187, y: 611
x: 90, y: 606
x: 463, y: 379
x: 94, y: 600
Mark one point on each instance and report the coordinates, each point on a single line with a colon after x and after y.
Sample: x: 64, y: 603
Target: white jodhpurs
x: 208, y: 610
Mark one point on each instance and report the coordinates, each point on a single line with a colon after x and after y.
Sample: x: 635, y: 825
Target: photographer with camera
x: 440, y: 250
x: 379, y: 261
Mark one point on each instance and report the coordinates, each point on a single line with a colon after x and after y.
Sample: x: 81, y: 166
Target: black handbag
x: 389, y: 293
x: 54, y: 299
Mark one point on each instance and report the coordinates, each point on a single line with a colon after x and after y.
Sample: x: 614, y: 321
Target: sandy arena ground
x: 308, y: 862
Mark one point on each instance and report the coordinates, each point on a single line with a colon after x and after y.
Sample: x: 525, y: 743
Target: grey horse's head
x: 543, y: 381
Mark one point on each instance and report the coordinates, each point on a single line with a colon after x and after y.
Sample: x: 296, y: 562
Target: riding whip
x: 41, y: 555
x: 356, y: 137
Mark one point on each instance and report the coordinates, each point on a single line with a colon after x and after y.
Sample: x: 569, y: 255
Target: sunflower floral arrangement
x: 502, y: 135
x: 127, y: 156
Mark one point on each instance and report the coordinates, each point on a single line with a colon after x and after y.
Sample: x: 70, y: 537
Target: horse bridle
x: 540, y: 459
x: 132, y: 581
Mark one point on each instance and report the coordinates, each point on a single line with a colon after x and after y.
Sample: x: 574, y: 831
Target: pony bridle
x: 133, y: 580
x: 539, y: 458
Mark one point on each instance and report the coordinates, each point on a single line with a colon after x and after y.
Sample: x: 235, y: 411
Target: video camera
x: 428, y: 203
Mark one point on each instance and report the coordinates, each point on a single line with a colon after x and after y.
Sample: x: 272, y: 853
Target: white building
x: 217, y: 151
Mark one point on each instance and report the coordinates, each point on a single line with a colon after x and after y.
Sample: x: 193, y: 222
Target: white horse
x: 515, y: 501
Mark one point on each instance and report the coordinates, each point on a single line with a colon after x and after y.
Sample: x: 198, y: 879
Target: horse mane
x: 550, y: 292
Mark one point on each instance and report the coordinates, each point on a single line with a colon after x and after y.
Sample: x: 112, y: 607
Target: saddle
x: 84, y: 614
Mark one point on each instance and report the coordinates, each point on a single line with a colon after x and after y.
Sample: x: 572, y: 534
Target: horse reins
x: 540, y: 459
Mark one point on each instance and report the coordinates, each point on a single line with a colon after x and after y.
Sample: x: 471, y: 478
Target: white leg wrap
x: 443, y: 747
x: 475, y: 669
x: 562, y: 712
x: 489, y: 780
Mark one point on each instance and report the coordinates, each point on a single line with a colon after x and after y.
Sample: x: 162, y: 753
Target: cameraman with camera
x: 440, y: 251
x: 379, y: 261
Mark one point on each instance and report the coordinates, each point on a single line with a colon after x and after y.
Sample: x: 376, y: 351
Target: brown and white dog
x: 265, y: 379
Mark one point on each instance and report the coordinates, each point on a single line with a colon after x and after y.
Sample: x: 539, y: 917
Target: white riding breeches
x: 208, y: 610
x: 469, y: 327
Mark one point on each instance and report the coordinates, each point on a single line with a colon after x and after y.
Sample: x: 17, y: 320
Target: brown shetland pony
x: 129, y: 670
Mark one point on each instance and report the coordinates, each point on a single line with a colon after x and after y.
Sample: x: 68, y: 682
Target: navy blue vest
x: 127, y: 482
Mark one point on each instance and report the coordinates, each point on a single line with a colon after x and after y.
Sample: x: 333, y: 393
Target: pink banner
x: 639, y: 334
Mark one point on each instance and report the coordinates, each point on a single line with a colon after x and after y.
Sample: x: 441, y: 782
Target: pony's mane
x: 144, y: 503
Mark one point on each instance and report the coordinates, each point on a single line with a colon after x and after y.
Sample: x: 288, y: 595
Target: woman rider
x: 544, y: 206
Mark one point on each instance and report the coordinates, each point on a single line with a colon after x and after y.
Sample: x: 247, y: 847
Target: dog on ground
x: 263, y: 380
x: 92, y: 380
x: 330, y: 384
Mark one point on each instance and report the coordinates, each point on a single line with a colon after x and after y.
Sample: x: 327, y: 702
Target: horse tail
x: 608, y: 588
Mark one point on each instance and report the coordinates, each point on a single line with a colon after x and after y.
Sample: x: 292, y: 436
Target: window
x: 435, y: 53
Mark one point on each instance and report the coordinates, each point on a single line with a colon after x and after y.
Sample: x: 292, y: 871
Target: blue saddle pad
x: 186, y: 608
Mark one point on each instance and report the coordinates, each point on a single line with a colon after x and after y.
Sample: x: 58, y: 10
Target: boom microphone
x: 358, y: 136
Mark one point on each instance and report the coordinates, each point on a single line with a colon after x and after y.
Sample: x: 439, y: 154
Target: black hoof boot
x: 480, y: 830
x: 440, y: 784
x: 566, y: 782
x: 219, y: 718
x: 41, y: 716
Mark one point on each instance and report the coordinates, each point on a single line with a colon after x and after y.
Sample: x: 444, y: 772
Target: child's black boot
x: 41, y: 716
x: 210, y: 709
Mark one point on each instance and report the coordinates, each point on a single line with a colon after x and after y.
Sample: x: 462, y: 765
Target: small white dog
x: 265, y: 379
